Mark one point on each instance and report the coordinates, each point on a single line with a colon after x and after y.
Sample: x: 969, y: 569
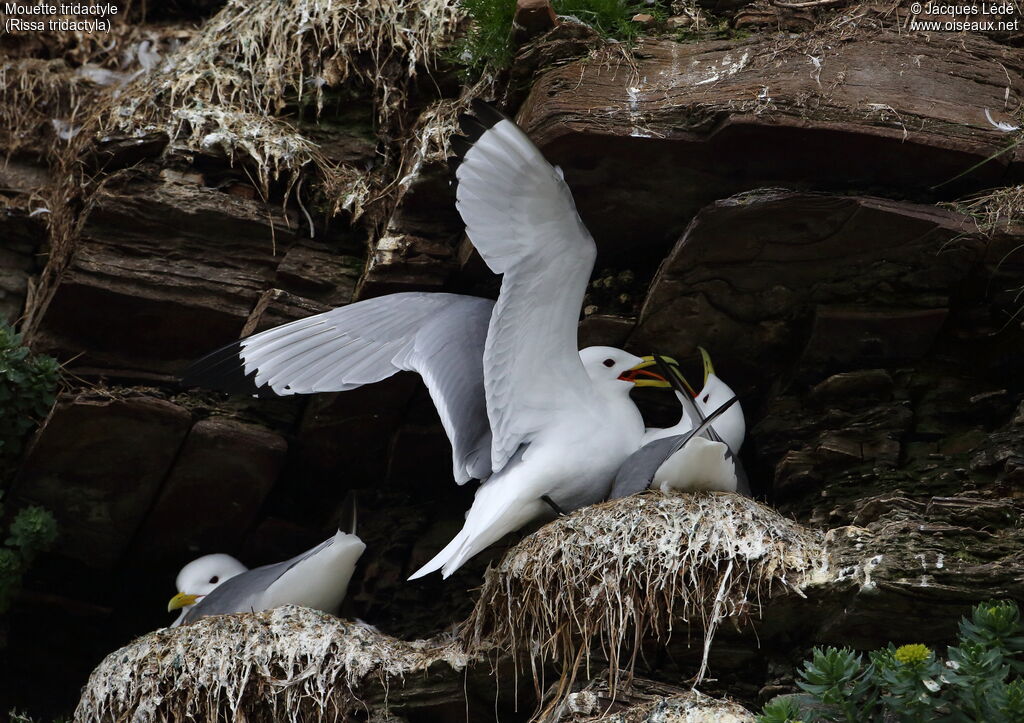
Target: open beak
x: 674, y: 375
x: 709, y: 368
x: 181, y: 600
x: 642, y: 376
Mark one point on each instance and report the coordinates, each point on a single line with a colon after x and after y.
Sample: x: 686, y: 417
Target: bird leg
x: 551, y: 503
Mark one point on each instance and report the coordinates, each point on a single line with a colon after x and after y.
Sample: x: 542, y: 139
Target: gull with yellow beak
x: 697, y: 453
x: 538, y: 421
x: 199, y: 578
x: 317, y: 579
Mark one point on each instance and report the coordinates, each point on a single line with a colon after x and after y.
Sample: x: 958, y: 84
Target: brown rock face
x: 685, y: 124
x: 98, y: 463
x: 214, y: 491
x: 162, y: 274
x: 22, y: 231
x: 417, y: 247
x: 770, y: 280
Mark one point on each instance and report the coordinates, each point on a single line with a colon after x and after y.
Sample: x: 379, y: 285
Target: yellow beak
x: 181, y: 600
x: 709, y: 368
x: 643, y: 378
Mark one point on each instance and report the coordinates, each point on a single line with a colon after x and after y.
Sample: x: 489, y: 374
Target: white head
x: 731, y: 426
x: 607, y: 364
x: 200, y: 577
x: 611, y: 366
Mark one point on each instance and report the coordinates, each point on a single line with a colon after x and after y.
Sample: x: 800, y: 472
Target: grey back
x: 241, y: 592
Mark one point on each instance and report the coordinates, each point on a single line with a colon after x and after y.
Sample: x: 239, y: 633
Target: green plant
x: 488, y: 42
x: 838, y: 678
x: 32, y: 530
x: 781, y: 710
x: 977, y: 682
x: 28, y: 383
x: 611, y: 18
x: 489, y: 39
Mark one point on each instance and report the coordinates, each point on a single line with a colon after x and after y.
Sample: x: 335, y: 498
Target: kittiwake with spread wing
x: 542, y: 424
x: 561, y: 421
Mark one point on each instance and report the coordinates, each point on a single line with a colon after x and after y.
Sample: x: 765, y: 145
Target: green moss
x: 489, y: 42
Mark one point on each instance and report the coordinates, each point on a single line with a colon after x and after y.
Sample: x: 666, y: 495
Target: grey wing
x: 241, y: 593
x: 637, y: 472
x: 237, y: 595
x: 439, y: 336
x: 448, y: 353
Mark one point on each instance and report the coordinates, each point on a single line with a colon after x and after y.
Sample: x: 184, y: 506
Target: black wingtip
x: 487, y: 113
x: 224, y: 370
x: 675, y: 377
x: 349, y: 513
x: 484, y: 117
x: 472, y: 128
x: 461, y: 146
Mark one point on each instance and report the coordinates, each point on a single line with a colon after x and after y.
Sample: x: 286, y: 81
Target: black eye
x: 609, y: 362
x: 214, y: 579
x: 706, y: 397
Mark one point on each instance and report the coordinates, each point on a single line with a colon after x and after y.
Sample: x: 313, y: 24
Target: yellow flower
x: 911, y: 654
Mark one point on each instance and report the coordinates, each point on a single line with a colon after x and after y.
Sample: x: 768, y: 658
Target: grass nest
x: 34, y: 94
x: 232, y: 89
x: 994, y: 210
x: 286, y: 664
x: 257, y: 61
x: 604, y: 579
x: 44, y: 102
x: 689, y: 707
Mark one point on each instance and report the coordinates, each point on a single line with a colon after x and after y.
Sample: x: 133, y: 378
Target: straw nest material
x: 690, y: 707
x: 591, y: 586
x: 257, y: 60
x: 608, y: 577
x: 44, y: 102
x: 286, y: 664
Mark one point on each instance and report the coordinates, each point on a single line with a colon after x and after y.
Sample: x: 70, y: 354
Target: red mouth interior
x: 632, y: 375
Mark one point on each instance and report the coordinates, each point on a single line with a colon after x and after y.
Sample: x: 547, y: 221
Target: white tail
x: 499, y: 508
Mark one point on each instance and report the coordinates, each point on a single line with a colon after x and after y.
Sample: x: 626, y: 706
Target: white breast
x: 700, y: 465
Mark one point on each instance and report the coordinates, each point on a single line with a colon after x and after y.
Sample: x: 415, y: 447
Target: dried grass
x: 606, y: 578
x: 255, y: 61
x: 225, y: 92
x: 428, y: 141
x: 45, y: 99
x: 286, y: 664
x: 688, y: 707
x: 993, y: 210
x: 32, y: 93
